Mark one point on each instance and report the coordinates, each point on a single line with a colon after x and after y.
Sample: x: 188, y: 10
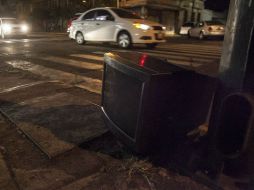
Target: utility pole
x: 231, y: 123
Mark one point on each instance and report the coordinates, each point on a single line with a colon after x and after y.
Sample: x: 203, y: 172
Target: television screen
x: 121, y: 99
x: 147, y: 101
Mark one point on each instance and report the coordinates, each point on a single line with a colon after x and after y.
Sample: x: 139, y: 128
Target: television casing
x: 150, y: 104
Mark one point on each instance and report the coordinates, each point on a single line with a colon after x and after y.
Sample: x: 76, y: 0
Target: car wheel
x: 189, y: 35
x: 201, y: 36
x: 80, y: 38
x: 151, y: 46
x: 124, y: 40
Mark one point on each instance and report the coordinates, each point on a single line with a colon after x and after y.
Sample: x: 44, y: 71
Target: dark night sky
x: 217, y: 5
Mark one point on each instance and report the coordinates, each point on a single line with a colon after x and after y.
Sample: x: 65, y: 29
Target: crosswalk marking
x: 194, y: 51
x: 196, y: 47
x: 2, y: 91
x: 99, y: 52
x: 7, y: 42
x: 90, y: 84
x: 71, y: 62
x: 186, y: 62
x: 42, y: 38
x: 183, y: 58
x: 188, y: 54
x: 88, y: 56
x: 193, y: 56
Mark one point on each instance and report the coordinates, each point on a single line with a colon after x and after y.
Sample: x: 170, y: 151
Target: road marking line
x: 99, y: 52
x: 88, y: 56
x: 91, y: 84
x: 23, y: 86
x: 179, y: 58
x: 194, y: 51
x: 171, y: 59
x: 71, y: 62
x: 185, y: 63
x: 182, y: 54
x: 182, y: 58
x: 197, y: 46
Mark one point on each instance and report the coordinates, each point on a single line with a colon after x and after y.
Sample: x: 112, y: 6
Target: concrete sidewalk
x: 77, y: 169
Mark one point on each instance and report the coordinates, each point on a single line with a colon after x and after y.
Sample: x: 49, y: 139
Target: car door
x: 104, y: 26
x: 186, y: 27
x: 85, y: 24
x: 196, y: 31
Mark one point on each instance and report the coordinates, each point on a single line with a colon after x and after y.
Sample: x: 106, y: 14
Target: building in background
x: 220, y: 16
x: 49, y: 15
x: 52, y: 15
x: 1, y: 7
x: 7, y: 8
x: 219, y: 9
x: 207, y: 15
x: 171, y: 13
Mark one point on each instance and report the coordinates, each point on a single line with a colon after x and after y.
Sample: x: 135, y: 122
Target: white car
x: 12, y: 27
x: 186, y: 27
x: 116, y: 25
x: 207, y: 29
x: 72, y: 19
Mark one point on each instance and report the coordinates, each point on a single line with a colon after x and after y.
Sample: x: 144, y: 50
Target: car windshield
x: 209, y: 23
x: 125, y: 14
x: 10, y: 21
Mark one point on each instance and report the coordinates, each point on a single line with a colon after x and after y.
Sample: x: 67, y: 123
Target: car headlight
x: 7, y: 28
x: 164, y: 27
x: 141, y: 26
x: 24, y: 28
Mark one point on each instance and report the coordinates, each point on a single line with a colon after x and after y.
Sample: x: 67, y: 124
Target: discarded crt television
x: 149, y: 103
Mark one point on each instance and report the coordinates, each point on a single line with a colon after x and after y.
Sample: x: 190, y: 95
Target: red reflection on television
x: 142, y: 60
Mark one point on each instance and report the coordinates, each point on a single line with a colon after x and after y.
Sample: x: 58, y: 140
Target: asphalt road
x: 55, y: 57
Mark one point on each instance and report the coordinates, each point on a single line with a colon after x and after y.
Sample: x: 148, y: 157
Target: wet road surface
x: 61, y: 59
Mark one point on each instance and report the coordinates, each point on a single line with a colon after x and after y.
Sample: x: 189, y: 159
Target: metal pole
x: 236, y: 71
